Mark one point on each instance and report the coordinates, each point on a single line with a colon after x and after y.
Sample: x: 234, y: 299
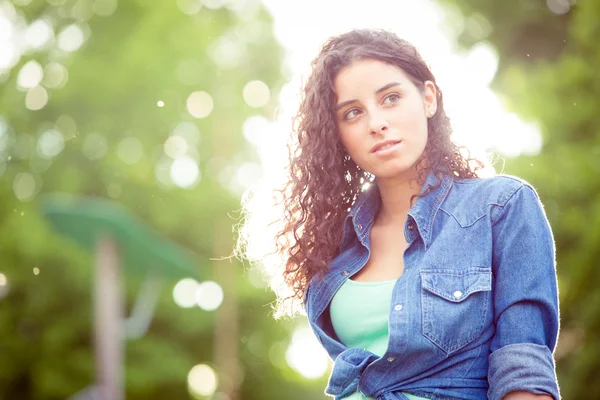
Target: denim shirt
x: 474, y: 314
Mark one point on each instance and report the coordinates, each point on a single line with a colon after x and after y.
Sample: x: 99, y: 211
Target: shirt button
x: 390, y: 359
x: 457, y: 294
x: 398, y: 307
x: 359, y: 226
x: 346, y: 273
x: 410, y: 227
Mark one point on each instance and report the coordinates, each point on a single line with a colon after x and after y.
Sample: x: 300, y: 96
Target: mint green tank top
x: 359, y: 314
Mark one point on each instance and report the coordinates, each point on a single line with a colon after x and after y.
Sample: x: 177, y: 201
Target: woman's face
x: 382, y: 117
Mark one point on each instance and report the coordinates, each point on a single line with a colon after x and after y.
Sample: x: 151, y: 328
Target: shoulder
x: 496, y: 190
x: 471, y: 199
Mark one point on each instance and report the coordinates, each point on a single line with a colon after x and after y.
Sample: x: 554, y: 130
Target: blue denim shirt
x: 479, y: 315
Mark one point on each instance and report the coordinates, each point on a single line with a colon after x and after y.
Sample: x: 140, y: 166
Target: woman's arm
x: 525, y: 297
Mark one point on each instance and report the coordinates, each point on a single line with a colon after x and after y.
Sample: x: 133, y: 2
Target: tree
x: 140, y: 102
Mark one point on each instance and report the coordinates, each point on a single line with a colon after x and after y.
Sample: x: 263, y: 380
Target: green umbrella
x: 118, y: 239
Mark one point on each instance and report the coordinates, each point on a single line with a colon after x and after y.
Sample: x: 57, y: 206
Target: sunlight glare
x: 306, y: 355
x: 464, y: 76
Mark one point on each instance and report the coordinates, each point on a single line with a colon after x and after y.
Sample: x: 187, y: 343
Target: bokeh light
x: 82, y: 10
x: 189, y: 131
x: 209, y: 295
x: 55, y: 75
x: 248, y: 175
x: 227, y: 52
x: 26, y: 186
x: 130, y: 150
x: 184, y: 293
x: 213, y: 4
x: 50, y: 144
x: 202, y: 380
x: 105, y: 8
x: 255, y: 128
x: 36, y: 98
x: 199, y: 104
x: 185, y: 172
x: 70, y: 38
x: 175, y: 146
x: 114, y: 190
x: 162, y: 172
x: 256, y: 94
x: 67, y: 126
x: 38, y: 34
x: 30, y: 75
x: 559, y: 6
x: 4, y: 287
x: 94, y: 146
x: 306, y: 355
x: 189, y: 7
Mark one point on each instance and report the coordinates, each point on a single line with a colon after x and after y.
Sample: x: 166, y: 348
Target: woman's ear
x: 430, y: 98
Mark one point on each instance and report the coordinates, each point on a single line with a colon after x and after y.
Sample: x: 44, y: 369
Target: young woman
x: 432, y: 283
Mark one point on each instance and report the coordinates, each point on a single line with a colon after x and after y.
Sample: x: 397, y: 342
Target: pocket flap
x: 454, y: 285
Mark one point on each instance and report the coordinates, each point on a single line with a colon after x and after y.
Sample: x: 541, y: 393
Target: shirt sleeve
x: 525, y: 299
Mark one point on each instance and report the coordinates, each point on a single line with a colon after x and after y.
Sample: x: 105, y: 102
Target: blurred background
x: 171, y: 110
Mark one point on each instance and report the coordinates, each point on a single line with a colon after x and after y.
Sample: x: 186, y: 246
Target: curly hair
x: 323, y: 181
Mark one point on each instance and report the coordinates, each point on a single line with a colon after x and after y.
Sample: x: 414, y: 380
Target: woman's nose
x: 378, y: 124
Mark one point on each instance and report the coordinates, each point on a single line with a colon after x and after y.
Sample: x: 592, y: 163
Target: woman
x: 432, y: 283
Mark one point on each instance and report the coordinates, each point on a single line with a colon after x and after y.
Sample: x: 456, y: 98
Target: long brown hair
x: 322, y: 181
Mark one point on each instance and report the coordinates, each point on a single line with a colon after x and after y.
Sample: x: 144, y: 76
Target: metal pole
x: 108, y: 320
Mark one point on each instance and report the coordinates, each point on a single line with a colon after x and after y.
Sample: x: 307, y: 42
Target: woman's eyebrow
x: 386, y: 87
x: 381, y: 89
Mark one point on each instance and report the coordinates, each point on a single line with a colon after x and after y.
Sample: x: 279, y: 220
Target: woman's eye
x: 351, y: 114
x: 392, y: 98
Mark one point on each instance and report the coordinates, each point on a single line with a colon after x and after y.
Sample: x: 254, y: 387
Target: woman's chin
x: 395, y: 172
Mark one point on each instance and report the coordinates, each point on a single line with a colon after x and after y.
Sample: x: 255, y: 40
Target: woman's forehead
x: 367, y: 75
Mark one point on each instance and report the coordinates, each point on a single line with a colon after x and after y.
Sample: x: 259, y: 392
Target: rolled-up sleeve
x: 525, y: 299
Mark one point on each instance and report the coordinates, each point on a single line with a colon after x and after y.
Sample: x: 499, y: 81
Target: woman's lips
x: 386, y: 148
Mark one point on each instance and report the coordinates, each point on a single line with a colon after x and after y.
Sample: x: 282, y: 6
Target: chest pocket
x: 455, y: 305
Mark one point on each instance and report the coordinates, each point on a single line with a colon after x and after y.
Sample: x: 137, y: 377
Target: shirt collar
x: 362, y: 214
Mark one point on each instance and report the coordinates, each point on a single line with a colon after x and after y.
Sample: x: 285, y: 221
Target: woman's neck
x: 396, y: 196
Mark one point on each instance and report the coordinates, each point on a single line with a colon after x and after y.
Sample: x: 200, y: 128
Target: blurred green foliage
x: 150, y: 52
x: 131, y: 59
x: 549, y: 54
